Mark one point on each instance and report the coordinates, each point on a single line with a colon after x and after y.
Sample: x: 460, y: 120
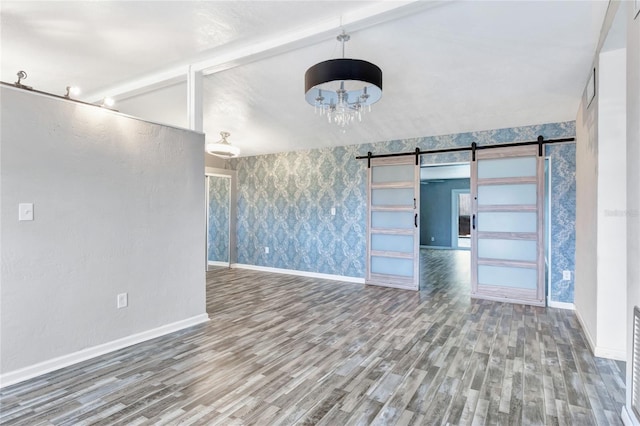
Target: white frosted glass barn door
x: 392, y: 223
x: 507, y: 249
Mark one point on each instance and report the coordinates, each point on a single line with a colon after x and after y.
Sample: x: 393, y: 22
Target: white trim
x: 561, y: 305
x: 332, y: 277
x: 218, y: 263
x: 599, y: 351
x: 610, y: 353
x: 48, y: 366
x: 628, y: 419
x: 195, y: 113
x: 586, y: 331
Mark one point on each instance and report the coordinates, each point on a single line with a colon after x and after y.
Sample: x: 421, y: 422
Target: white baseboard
x: 618, y: 355
x: 628, y: 419
x: 562, y: 305
x: 599, y: 351
x: 217, y: 263
x: 48, y: 366
x: 592, y: 344
x: 332, y: 277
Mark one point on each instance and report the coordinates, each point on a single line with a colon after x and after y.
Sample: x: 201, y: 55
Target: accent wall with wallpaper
x: 285, y: 200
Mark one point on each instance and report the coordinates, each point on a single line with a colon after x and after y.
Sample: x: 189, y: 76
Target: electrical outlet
x: 25, y: 211
x: 266, y: 250
x: 566, y: 275
x: 122, y: 300
x: 433, y: 238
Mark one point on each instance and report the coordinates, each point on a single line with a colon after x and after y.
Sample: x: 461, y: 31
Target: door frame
x: 232, y: 175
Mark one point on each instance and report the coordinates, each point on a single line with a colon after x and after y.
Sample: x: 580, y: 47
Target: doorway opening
x: 445, y: 225
x: 445, y: 206
x: 461, y: 219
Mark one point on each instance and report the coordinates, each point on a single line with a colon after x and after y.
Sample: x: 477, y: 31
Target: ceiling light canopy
x: 342, y: 89
x: 222, y: 148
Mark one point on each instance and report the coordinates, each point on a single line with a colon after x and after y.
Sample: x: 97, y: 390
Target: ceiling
x: 448, y: 67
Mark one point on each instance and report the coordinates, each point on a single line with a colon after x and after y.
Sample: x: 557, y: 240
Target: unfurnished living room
x: 320, y: 212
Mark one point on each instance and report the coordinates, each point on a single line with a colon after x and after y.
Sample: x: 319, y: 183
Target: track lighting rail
x: 18, y: 85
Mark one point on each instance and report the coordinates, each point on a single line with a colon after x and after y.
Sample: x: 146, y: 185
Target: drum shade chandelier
x: 343, y: 89
x: 222, y: 148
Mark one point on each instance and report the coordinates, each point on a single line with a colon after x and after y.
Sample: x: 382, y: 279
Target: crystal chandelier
x: 222, y: 148
x: 343, y: 89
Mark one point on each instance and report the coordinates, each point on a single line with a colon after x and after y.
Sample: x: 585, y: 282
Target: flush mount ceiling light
x: 222, y: 148
x: 343, y: 88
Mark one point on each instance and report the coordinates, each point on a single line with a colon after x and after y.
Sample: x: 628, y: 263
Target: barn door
x: 507, y: 246
x: 393, y: 237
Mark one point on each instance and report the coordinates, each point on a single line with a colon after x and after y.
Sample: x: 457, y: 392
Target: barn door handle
x: 415, y: 220
x: 473, y: 222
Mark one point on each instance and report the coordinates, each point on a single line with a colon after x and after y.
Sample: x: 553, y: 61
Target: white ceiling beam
x: 225, y: 58
x: 146, y: 83
x: 195, y: 111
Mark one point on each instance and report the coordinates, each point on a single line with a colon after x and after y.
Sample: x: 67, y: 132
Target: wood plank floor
x: 288, y: 350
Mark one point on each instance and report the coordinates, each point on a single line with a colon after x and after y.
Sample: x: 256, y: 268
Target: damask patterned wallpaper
x: 285, y: 201
x: 218, y: 220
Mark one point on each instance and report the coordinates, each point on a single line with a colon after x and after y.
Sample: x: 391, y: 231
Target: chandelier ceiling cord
x: 343, y: 89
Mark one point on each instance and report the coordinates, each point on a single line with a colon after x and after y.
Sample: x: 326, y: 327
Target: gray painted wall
x: 435, y: 211
x: 119, y: 207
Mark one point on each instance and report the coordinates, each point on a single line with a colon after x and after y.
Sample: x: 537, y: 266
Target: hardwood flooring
x: 286, y: 350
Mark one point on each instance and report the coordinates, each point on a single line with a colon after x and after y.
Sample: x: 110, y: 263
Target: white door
x: 393, y: 223
x: 507, y: 239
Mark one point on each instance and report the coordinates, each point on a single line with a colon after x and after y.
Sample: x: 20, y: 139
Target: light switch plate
x: 25, y: 211
x: 122, y: 301
x: 333, y: 211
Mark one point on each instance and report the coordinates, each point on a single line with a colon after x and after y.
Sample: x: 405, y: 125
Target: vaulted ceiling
x: 448, y: 67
